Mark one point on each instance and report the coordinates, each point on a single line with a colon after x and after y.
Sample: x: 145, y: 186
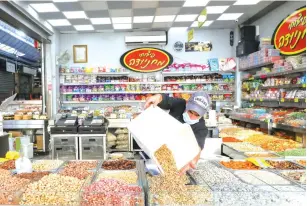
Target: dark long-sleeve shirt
x: 177, y: 107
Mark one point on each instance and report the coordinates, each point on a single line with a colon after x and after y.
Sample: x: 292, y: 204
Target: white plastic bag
x: 23, y: 165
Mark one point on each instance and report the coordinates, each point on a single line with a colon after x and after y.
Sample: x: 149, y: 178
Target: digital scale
x: 67, y: 124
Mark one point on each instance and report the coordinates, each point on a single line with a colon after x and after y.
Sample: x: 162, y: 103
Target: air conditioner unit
x: 146, y: 38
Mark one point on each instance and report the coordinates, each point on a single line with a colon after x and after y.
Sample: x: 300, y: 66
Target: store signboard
x: 290, y: 35
x: 146, y: 59
x: 10, y: 67
x: 28, y: 70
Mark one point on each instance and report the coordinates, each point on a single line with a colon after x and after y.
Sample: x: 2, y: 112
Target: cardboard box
x: 40, y: 142
x: 16, y: 133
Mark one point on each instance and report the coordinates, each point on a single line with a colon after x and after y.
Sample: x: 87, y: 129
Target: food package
x: 40, y: 142
x: 122, y: 137
x: 121, y: 131
x: 125, y: 142
x: 121, y: 147
x: 111, y: 137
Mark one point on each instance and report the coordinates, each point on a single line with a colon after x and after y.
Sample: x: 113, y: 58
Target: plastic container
x: 27, y: 150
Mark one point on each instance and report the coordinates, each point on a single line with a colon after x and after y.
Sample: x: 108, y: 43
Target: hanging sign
x: 202, y: 18
x: 146, y: 59
x: 178, y: 46
x: 290, y: 35
x: 10, y: 67
x: 190, y: 35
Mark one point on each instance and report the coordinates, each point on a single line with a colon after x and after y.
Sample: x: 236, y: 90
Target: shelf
x: 103, y: 73
x: 149, y: 92
x: 260, y: 100
x: 196, y: 73
x: 290, y: 86
x: 146, y: 83
x: 257, y: 66
x: 253, y: 121
x: 105, y: 102
x: 289, y: 128
x: 274, y: 74
x: 297, y: 103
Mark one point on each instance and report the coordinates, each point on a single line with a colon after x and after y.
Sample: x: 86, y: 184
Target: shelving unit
x: 143, y: 83
x: 256, y: 66
x: 196, y: 73
x: 262, y: 124
x: 148, y: 92
x: 101, y: 73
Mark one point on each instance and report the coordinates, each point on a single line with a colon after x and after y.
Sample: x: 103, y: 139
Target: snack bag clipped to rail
x: 154, y: 128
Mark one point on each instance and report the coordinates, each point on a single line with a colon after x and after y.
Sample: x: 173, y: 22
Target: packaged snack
x: 214, y: 64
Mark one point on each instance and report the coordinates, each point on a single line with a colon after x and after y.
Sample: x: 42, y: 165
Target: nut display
x: 301, y: 152
x: 53, y: 189
x: 170, y: 188
x: 240, y: 165
x: 87, y: 165
x: 119, y: 165
x: 301, y: 162
x: 8, y: 165
x: 230, y: 139
x: 284, y: 165
x: 112, y: 192
x: 33, y: 175
x: 260, y: 154
x: 298, y: 176
x: 46, y: 165
x: 129, y: 177
x: 266, y: 177
x: 244, y: 147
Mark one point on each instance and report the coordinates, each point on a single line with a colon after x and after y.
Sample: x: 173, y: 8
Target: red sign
x: 146, y: 59
x: 290, y: 35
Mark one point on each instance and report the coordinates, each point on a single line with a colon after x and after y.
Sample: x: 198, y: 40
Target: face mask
x: 188, y: 120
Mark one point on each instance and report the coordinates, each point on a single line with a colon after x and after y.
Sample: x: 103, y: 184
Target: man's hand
x: 191, y: 165
x: 153, y: 100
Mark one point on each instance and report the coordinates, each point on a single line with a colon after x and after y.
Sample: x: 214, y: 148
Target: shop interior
x: 76, y: 77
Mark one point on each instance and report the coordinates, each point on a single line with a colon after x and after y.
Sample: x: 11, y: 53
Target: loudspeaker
x: 248, y: 33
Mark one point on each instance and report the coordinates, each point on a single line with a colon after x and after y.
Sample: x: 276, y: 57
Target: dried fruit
x: 119, y: 165
x: 129, y: 177
x: 240, y: 165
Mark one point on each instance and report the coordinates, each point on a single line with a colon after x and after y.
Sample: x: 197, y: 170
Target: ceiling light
x: 216, y: 9
x: 75, y: 14
x: 245, y: 2
x: 179, y: 28
x: 165, y: 18
x: 230, y: 16
x: 84, y: 27
x: 44, y: 7
x: 65, y: 0
x: 195, y: 3
x: 101, y: 20
x: 121, y: 20
x: 142, y: 19
x: 183, y: 18
x: 122, y: 26
x: 59, y: 22
x: 207, y: 23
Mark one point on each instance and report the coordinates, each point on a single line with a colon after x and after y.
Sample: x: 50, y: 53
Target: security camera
x: 236, y: 20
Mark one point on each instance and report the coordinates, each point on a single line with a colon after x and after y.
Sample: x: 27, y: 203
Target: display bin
x: 91, y: 152
x: 63, y: 140
x: 65, y: 152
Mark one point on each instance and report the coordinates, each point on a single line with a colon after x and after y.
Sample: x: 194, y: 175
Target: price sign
x: 296, y: 100
x: 304, y: 85
x: 282, y: 100
x: 10, y: 67
x: 261, y: 99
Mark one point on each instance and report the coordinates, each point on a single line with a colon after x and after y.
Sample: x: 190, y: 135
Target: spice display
x: 46, y: 165
x: 267, y: 177
x: 298, y: 176
x: 129, y: 177
x: 301, y: 152
x: 240, y: 165
x: 170, y: 188
x: 244, y: 147
x: 9, y: 188
x: 284, y: 165
x: 260, y: 154
x: 119, y: 165
x: 230, y: 139
x: 33, y: 175
x: 301, y: 162
x: 112, y: 192
x: 8, y: 165
x: 53, y: 189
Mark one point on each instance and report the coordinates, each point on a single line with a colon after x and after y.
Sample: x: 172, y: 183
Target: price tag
x: 261, y: 99
x: 252, y: 78
x: 304, y: 85
x: 263, y: 76
x: 296, y: 100
x: 282, y: 100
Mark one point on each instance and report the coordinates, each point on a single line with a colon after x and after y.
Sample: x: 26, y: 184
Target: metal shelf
x: 257, y: 66
x: 197, y: 73
x: 274, y: 74
x: 290, y: 86
x: 253, y: 121
x: 260, y: 100
x: 298, y: 103
x: 149, y: 92
x: 104, y: 102
x: 146, y: 83
x: 289, y: 128
x: 102, y: 73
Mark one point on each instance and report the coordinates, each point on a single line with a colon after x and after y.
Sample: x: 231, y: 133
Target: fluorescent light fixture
x: 121, y: 20
x: 100, y: 20
x: 84, y: 27
x: 122, y: 26
x: 65, y: 0
x: 75, y: 14
x: 165, y: 18
x: 247, y: 2
x: 44, y: 7
x: 145, y: 38
x: 179, y: 28
x: 216, y: 9
x: 207, y: 23
x: 195, y: 3
x: 143, y: 19
x: 59, y: 22
x: 68, y: 32
x: 230, y: 16
x: 183, y: 18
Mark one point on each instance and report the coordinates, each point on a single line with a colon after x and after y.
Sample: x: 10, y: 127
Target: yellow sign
x: 261, y: 100
x: 296, y: 100
x: 202, y: 18
x: 190, y: 35
x: 282, y: 100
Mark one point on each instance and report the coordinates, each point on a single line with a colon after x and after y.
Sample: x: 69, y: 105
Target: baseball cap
x: 199, y: 102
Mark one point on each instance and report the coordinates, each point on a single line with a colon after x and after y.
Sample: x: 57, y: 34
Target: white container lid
x: 154, y: 128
